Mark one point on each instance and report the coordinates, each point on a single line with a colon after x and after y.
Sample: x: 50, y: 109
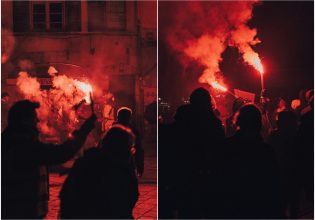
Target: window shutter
x: 96, y: 16
x: 73, y: 15
x: 117, y: 15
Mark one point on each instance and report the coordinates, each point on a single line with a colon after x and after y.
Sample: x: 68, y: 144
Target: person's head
x: 296, y: 103
x: 287, y: 121
x: 109, y: 98
x: 249, y: 119
x: 201, y: 98
x: 5, y: 96
x: 237, y: 104
x: 23, y: 113
x: 124, y: 115
x: 118, y: 142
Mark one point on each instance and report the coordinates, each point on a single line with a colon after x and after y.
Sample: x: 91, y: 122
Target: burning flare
x: 85, y: 88
x: 253, y: 59
x: 218, y: 86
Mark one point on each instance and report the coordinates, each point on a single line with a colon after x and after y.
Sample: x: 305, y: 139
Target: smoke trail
x: 202, y: 31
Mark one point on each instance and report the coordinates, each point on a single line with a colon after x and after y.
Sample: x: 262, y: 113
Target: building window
x: 109, y: 15
x: 96, y: 15
x: 40, y: 16
x: 117, y: 15
x: 47, y: 16
x: 56, y: 16
x: 73, y: 15
x: 21, y: 16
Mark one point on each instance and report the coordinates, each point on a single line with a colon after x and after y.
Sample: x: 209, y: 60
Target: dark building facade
x: 111, y: 43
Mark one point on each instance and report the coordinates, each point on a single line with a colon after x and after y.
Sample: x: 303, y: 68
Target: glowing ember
x: 218, y: 86
x: 85, y: 88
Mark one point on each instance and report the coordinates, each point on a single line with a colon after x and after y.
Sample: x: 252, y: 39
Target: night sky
x: 286, y: 30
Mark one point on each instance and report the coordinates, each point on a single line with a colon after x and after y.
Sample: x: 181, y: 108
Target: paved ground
x: 146, y: 207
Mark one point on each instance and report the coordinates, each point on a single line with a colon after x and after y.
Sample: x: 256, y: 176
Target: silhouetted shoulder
x: 182, y: 112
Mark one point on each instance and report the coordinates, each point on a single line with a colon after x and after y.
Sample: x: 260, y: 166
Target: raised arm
x: 49, y: 154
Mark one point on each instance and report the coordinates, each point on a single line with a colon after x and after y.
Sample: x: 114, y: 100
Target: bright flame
x: 218, y: 86
x: 258, y: 66
x: 253, y: 59
x: 85, y: 88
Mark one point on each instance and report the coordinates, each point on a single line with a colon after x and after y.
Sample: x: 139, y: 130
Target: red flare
x: 218, y: 86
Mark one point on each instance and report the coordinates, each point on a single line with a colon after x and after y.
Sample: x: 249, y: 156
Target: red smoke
x: 57, y: 113
x: 201, y: 31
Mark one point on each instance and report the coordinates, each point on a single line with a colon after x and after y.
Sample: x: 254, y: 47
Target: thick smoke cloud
x: 58, y: 106
x: 201, y: 31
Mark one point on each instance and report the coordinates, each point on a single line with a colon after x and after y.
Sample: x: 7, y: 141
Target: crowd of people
x: 102, y: 183
x: 259, y: 164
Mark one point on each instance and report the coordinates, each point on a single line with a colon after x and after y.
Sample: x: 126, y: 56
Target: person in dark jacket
x: 25, y: 159
x: 167, y: 200
x: 197, y: 134
x: 124, y: 118
x: 306, y: 151
x: 284, y: 142
x: 249, y: 187
x: 102, y: 184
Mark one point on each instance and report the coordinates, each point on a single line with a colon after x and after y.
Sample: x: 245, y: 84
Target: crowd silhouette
x: 206, y: 170
x: 101, y: 184
x: 260, y: 167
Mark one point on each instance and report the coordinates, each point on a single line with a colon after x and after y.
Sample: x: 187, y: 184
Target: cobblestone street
x: 146, y: 207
